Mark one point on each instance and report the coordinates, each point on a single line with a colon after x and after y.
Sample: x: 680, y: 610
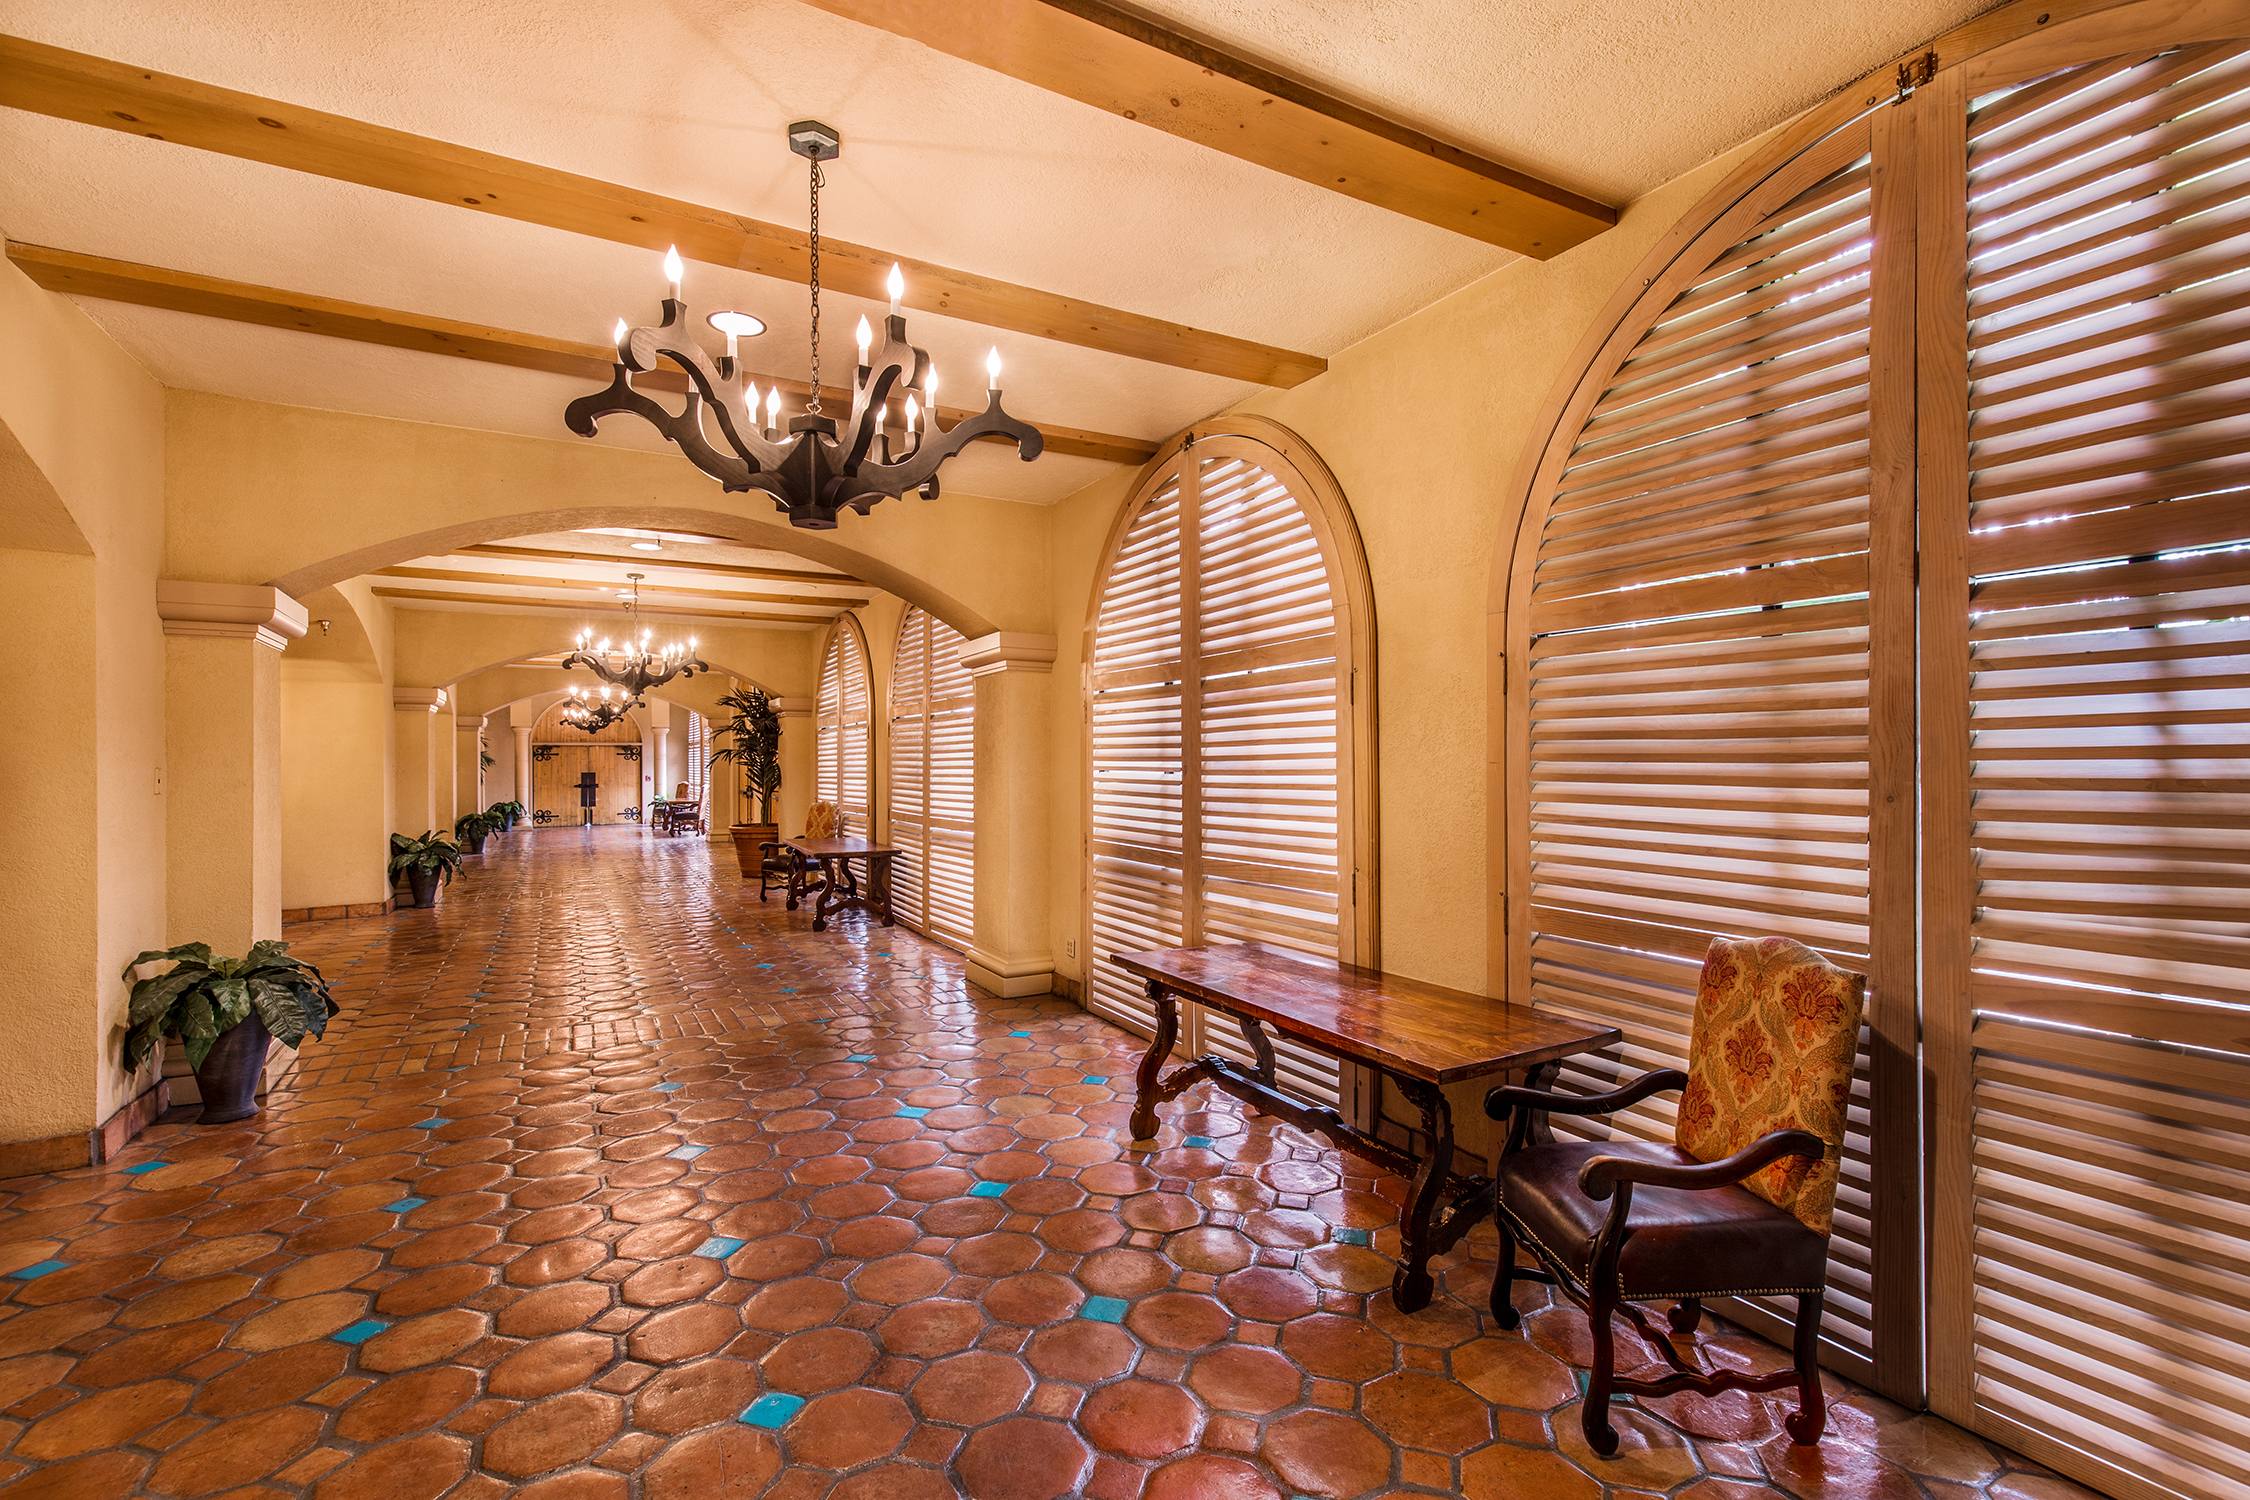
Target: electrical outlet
x: 1070, y: 947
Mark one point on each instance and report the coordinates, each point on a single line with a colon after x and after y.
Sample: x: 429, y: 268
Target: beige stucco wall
x: 335, y: 785
x: 82, y: 882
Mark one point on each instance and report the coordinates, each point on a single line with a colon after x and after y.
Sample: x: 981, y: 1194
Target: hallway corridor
x: 612, y: 1183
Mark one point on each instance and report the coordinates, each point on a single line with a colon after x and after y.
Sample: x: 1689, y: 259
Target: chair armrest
x: 1500, y: 1102
x: 1599, y: 1177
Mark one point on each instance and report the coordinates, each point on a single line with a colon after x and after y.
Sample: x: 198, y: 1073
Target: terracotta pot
x: 425, y: 884
x: 747, y: 838
x: 228, y: 1079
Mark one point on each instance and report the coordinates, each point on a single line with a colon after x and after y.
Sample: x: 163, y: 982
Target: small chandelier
x: 591, y: 714
x: 810, y: 469
x: 631, y: 665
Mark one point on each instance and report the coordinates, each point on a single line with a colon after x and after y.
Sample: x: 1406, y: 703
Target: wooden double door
x: 555, y: 774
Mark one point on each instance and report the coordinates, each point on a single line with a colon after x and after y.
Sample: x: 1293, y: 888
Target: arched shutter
x: 2100, y: 920
x: 1695, y: 717
x: 1219, y: 684
x: 932, y: 787
x: 842, y: 725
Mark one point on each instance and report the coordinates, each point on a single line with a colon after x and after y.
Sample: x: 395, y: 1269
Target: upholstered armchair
x: 781, y: 867
x: 1738, y: 1205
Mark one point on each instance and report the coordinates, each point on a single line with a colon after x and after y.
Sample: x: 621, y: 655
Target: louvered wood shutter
x: 932, y: 787
x: 842, y: 725
x: 1696, y: 714
x: 1217, y: 705
x: 2103, y: 755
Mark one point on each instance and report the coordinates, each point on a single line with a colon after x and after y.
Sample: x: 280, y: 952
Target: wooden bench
x: 1419, y: 1036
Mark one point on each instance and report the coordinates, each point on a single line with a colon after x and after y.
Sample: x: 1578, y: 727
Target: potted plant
x: 509, y: 813
x: 428, y: 861
x: 470, y: 831
x: 225, y: 1011
x: 754, y: 746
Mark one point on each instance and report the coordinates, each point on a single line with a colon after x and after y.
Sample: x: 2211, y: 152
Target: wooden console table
x: 1419, y: 1036
x: 838, y: 886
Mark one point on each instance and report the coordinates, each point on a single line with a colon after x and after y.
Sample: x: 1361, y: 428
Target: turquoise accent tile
x: 1019, y: 1033
x: 1103, y: 1309
x: 771, y: 1411
x: 434, y: 1121
x: 404, y: 1205
x: 1351, y: 1236
x: 146, y: 1166
x: 686, y: 1153
x: 718, y: 1247
x: 988, y: 1190
x: 861, y: 1057
x: 38, y: 1269
x: 1198, y: 1142
x: 1095, y: 1078
x: 669, y: 1088
x: 912, y: 1111
x: 360, y: 1332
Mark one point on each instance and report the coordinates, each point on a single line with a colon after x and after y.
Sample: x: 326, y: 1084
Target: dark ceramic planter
x: 228, y: 1079
x: 476, y: 845
x: 425, y: 886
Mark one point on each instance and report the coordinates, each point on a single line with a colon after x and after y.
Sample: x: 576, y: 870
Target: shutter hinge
x: 1915, y: 72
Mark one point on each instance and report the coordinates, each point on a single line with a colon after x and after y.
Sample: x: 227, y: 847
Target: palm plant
x: 754, y: 732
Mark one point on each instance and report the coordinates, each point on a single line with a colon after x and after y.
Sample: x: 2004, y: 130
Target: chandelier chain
x: 813, y: 406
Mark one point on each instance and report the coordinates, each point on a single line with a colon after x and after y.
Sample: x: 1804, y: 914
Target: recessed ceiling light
x: 648, y: 546
x: 644, y: 534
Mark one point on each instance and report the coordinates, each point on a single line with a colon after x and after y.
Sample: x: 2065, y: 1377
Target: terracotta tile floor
x: 615, y: 1183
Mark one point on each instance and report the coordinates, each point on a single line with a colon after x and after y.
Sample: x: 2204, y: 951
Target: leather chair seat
x: 1680, y: 1243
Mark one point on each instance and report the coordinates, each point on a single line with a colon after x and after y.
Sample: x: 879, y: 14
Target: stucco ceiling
x: 943, y: 161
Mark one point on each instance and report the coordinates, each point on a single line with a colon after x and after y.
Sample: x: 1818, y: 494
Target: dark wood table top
x: 839, y: 848
x: 1424, y: 1031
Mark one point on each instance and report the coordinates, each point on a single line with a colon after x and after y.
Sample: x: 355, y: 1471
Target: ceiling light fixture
x: 593, y: 715
x: 632, y: 667
x: 810, y: 469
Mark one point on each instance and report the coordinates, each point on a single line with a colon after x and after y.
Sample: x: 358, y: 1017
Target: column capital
x: 793, y: 708
x: 428, y: 700
x: 1008, y: 651
x: 229, y: 611
x: 469, y: 724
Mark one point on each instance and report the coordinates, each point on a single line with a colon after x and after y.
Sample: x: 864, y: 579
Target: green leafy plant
x: 202, y: 997
x: 754, y: 730
x: 429, y: 852
x: 505, y: 810
x: 484, y: 759
x: 470, y: 827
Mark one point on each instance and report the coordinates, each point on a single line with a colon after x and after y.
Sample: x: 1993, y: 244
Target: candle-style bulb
x: 896, y: 286
x: 773, y: 406
x: 992, y: 369
x: 673, y: 270
x: 866, y: 337
x: 912, y: 411
x: 929, y: 386
x: 621, y: 334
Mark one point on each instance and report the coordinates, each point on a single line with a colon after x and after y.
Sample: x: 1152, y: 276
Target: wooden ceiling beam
x: 486, y: 600
x: 610, y: 591
x: 657, y: 560
x: 78, y: 275
x: 1185, y: 85
x: 159, y: 106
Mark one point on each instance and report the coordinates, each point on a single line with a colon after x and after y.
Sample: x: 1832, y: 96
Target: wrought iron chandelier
x: 810, y: 469
x: 591, y: 714
x: 632, y: 665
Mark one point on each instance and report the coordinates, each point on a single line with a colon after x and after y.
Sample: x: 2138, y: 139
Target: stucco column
x: 660, y: 771
x: 415, y: 758
x: 523, y: 768
x: 222, y: 749
x: 798, y: 743
x: 468, y: 769
x: 1013, y: 953
x: 442, y: 772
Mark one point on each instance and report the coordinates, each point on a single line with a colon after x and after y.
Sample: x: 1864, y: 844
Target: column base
x: 1011, y: 979
x: 86, y: 1148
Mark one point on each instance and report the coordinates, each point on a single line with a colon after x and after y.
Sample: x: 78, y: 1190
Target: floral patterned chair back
x: 1775, y: 1037
x: 821, y: 821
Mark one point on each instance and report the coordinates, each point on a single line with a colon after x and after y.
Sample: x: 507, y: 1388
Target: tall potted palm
x: 753, y: 748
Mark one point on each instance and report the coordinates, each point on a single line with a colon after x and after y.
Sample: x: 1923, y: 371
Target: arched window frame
x: 845, y: 651
x: 1922, y: 915
x: 1308, y: 479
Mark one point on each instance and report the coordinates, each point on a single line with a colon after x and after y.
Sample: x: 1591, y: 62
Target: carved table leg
x: 823, y: 906
x: 1260, y: 1048
x: 879, y: 887
x: 1152, y: 1061
x: 1411, y: 1286
x: 796, y: 886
